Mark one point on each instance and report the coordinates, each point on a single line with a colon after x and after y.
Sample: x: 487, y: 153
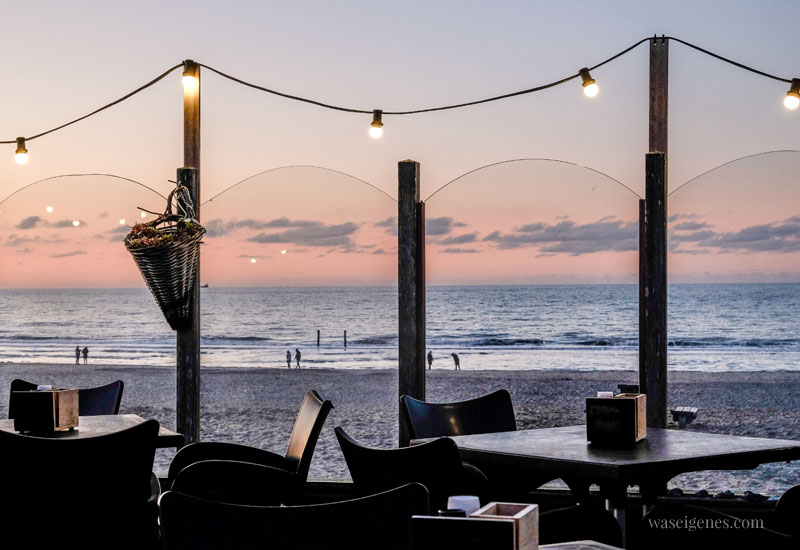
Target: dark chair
x: 489, y: 413
x: 436, y: 464
x: 307, y: 427
x: 377, y: 521
x: 235, y: 482
x: 91, y: 401
x: 79, y: 492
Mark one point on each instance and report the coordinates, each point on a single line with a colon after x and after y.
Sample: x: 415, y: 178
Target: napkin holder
x: 45, y: 411
x: 619, y: 421
x: 498, y: 525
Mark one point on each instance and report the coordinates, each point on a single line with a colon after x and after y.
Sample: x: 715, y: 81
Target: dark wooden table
x: 650, y: 464
x: 91, y: 426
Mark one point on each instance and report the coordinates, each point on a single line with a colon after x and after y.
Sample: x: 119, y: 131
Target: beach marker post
x: 410, y: 287
x: 187, y: 409
x: 653, y: 264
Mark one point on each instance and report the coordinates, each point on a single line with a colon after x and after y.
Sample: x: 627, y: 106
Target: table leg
x: 617, y: 502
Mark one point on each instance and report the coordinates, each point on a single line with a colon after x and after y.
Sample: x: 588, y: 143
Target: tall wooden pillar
x: 410, y: 287
x: 653, y: 264
x: 188, y: 339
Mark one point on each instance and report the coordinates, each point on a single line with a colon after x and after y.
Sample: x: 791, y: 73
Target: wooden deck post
x: 410, y: 287
x: 188, y: 339
x: 653, y: 266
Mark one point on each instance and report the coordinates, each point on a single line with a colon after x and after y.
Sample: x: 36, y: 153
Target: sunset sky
x: 569, y: 219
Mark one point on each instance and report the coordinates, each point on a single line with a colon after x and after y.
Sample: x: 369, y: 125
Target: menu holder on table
x: 618, y: 421
x: 45, y: 411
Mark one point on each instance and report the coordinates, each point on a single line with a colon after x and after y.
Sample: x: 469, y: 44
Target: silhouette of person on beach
x: 430, y: 360
x: 85, y: 355
x: 77, y: 355
x: 297, y: 357
x: 288, y: 358
x: 456, y: 361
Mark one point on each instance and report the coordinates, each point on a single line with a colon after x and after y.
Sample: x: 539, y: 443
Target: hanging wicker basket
x: 166, y: 251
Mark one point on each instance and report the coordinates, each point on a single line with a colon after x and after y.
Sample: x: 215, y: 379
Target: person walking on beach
x: 430, y: 360
x: 297, y: 357
x: 77, y: 355
x: 85, y: 355
x: 456, y: 361
x: 288, y: 358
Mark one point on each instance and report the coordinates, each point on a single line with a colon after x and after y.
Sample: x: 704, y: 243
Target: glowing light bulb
x: 21, y: 155
x: 144, y: 214
x: 122, y: 221
x: 75, y: 223
x: 49, y: 209
x: 376, y: 128
x: 191, y: 72
x: 590, y: 88
x: 283, y: 252
x: 252, y: 260
x: 792, y: 99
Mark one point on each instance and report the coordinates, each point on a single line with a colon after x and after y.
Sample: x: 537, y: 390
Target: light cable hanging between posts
x: 166, y: 251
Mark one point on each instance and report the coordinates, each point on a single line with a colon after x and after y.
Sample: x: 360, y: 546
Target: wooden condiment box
x: 618, y: 421
x: 496, y: 526
x: 524, y: 516
x: 45, y: 411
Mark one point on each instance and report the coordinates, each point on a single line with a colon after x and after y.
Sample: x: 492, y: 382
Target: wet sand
x: 257, y: 406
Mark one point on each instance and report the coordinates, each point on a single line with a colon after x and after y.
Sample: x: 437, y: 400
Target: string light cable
x: 791, y: 101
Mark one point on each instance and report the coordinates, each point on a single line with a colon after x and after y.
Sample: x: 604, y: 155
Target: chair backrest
x: 236, y: 482
x: 489, y: 413
x: 100, y: 400
x: 18, y: 385
x: 377, y: 521
x: 98, y: 486
x: 435, y: 464
x: 91, y: 401
x: 305, y: 432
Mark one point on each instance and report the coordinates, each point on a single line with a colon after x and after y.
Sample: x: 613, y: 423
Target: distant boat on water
x: 204, y: 286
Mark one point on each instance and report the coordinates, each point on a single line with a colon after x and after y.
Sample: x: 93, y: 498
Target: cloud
x: 219, y: 228
x: 781, y: 236
x: 390, y: 224
x: 30, y: 222
x: 15, y: 240
x: 68, y: 254
x: 64, y: 223
x: 441, y: 226
x: 460, y: 250
x: 460, y: 239
x: 690, y: 226
x: 311, y: 234
x: 568, y: 237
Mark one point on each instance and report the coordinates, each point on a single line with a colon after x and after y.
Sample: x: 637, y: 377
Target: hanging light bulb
x: 22, y: 153
x: 191, y: 74
x: 590, y: 88
x: 792, y: 99
x: 376, y: 128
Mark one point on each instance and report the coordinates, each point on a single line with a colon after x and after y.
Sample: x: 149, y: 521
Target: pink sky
x: 528, y: 222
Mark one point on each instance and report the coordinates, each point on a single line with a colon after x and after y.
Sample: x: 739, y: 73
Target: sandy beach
x: 258, y: 406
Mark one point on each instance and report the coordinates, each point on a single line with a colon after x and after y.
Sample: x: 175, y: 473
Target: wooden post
x: 317, y: 337
x: 188, y: 339
x: 345, y: 338
x: 653, y: 264
x: 410, y: 287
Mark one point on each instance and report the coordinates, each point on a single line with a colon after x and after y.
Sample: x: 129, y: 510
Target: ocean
x: 713, y: 327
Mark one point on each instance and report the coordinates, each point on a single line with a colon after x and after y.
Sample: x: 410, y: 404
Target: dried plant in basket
x: 166, y: 251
